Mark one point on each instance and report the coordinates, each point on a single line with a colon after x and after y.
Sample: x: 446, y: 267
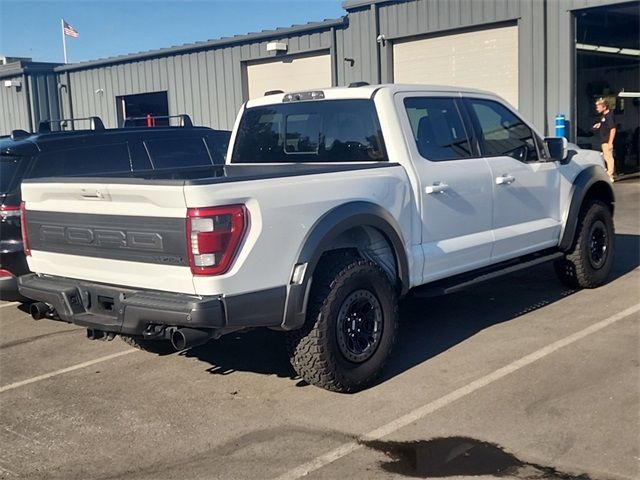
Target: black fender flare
x: 583, y: 183
x: 323, y: 233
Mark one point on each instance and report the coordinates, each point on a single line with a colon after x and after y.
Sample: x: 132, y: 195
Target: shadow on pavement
x: 428, y: 326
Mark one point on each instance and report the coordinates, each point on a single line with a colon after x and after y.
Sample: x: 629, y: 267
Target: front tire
x: 351, y: 325
x: 589, y: 262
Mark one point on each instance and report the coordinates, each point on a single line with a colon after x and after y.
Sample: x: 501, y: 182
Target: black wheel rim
x: 598, y: 244
x: 359, y: 326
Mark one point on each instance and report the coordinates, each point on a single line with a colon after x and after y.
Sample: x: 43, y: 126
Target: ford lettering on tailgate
x: 119, y: 237
x: 102, y: 237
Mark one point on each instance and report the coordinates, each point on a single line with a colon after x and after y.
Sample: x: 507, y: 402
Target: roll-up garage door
x: 484, y: 59
x: 289, y: 74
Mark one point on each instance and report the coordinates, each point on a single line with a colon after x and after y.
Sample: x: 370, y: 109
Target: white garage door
x: 289, y: 75
x: 485, y: 59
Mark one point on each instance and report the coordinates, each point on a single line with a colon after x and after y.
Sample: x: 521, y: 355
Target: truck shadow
x: 428, y: 326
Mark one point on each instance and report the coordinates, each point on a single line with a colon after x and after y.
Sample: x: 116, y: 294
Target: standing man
x: 606, y: 128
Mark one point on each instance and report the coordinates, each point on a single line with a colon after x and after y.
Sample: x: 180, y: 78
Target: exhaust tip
x: 39, y: 310
x: 178, y: 340
x: 183, y: 338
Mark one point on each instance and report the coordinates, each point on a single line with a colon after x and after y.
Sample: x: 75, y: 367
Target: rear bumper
x: 120, y: 310
x: 140, y: 312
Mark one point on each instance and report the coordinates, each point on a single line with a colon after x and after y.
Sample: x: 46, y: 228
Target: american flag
x: 69, y: 30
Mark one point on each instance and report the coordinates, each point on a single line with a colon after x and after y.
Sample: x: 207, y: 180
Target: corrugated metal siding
x: 13, y: 107
x: 207, y: 85
x: 356, y: 48
x: 45, y: 101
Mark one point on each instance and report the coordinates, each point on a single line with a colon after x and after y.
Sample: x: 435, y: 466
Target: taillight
x: 23, y: 226
x: 9, y: 211
x: 213, y: 237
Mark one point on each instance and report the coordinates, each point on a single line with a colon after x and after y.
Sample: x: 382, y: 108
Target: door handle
x: 505, y: 180
x: 438, y: 187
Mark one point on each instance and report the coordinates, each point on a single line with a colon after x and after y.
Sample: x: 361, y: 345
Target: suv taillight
x: 9, y: 211
x: 213, y: 237
x: 23, y: 226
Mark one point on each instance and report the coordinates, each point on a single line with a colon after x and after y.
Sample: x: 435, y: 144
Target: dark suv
x: 133, y: 151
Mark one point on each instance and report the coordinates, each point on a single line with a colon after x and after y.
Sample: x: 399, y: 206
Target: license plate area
x: 103, y: 301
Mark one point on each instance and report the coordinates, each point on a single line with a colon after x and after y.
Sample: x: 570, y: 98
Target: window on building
x: 437, y: 128
x: 502, y: 133
x: 143, y: 109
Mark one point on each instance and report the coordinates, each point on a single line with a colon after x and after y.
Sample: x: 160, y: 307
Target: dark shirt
x: 607, y: 122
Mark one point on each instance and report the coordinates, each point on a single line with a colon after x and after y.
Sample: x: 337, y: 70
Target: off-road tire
x: 161, y: 347
x: 578, y: 269
x: 317, y: 350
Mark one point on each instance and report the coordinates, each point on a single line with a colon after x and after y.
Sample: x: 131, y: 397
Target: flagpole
x: 64, y: 40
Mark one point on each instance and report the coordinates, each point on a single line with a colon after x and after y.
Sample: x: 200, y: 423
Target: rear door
x: 456, y: 185
x: 526, y: 214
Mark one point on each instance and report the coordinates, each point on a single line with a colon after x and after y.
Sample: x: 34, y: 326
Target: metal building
x: 28, y: 94
x: 541, y: 55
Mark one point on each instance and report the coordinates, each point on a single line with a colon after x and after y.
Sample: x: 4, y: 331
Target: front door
x: 455, y: 185
x: 526, y: 214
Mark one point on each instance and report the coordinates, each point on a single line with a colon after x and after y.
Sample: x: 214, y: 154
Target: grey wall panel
x: 37, y: 99
x: 357, y: 61
x: 44, y: 98
x: 13, y: 107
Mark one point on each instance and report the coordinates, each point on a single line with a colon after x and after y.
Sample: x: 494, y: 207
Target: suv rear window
x: 315, y: 131
x: 178, y: 152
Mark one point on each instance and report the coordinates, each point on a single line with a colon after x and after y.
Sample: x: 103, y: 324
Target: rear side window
x: 502, y: 132
x: 9, y: 166
x: 178, y: 152
x: 437, y: 128
x: 218, y: 144
x: 315, y: 131
x: 94, y: 160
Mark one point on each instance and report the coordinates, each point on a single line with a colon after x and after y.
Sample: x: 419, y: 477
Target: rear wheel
x: 161, y: 347
x: 351, y: 325
x: 589, y: 262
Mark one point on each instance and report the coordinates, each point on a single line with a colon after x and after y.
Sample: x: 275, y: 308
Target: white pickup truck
x: 333, y: 204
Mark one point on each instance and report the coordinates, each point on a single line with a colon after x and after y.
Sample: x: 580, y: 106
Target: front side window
x: 502, y: 133
x: 314, y: 131
x: 437, y: 128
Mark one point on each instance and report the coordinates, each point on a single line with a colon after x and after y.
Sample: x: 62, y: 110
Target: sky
x: 31, y: 28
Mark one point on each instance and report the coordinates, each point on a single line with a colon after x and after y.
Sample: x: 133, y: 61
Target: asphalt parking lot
x: 519, y: 378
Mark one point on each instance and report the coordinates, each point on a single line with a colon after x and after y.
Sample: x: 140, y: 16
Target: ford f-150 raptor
x: 331, y: 206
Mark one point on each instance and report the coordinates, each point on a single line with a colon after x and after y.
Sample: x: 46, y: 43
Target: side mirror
x: 558, y: 148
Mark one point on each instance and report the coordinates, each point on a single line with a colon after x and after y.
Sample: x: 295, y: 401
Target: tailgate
x: 116, y: 233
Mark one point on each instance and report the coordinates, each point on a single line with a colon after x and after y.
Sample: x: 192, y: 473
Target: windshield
x: 8, y: 168
x: 315, y: 131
